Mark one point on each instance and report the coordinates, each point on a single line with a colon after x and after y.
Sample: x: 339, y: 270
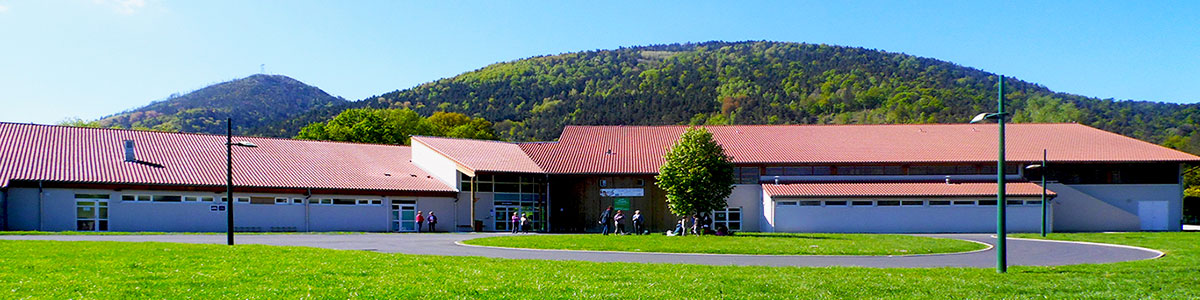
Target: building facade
x: 794, y: 178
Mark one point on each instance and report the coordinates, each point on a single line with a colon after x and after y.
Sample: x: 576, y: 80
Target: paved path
x: 1020, y: 251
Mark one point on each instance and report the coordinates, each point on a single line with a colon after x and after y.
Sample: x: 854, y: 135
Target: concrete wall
x: 1113, y: 207
x: 58, y: 212
x: 436, y: 164
x: 903, y: 219
x: 747, y: 197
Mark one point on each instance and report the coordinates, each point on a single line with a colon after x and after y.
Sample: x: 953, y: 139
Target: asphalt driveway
x: 1020, y: 251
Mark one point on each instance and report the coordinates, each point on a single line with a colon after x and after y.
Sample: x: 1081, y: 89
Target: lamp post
x: 1001, y: 205
x: 229, y: 176
x: 1042, y: 169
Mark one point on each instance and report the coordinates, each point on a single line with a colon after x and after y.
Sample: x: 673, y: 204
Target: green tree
x: 365, y: 125
x: 697, y: 174
x: 77, y: 122
x: 1046, y: 109
x: 456, y: 125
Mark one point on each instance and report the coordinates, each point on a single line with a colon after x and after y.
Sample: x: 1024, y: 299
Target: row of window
x: 750, y: 175
x: 864, y: 203
x: 250, y: 200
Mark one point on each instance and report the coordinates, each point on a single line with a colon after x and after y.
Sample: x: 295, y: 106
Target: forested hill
x: 253, y: 101
x: 753, y: 83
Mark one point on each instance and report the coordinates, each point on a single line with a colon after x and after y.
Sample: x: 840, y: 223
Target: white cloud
x: 125, y: 7
x: 3, y: 9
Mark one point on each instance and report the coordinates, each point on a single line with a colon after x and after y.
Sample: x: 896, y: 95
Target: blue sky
x: 90, y: 58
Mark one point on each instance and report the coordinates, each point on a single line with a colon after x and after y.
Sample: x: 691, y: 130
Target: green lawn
x: 112, y: 270
x: 742, y: 243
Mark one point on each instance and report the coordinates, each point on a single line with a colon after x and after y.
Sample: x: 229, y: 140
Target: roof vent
x: 609, y: 152
x: 129, y: 155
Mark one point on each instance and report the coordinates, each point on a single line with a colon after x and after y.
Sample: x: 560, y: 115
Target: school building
x: 790, y: 178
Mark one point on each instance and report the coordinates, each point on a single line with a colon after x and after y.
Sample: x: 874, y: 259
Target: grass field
x: 111, y: 270
x: 743, y: 243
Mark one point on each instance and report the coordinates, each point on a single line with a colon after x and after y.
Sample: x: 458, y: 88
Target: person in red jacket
x: 420, y: 219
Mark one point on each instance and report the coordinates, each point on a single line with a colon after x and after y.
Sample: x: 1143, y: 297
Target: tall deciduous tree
x: 697, y: 174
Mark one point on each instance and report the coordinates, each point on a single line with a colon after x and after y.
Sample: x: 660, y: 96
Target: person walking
x: 639, y: 225
x: 525, y: 223
x: 619, y: 220
x: 515, y: 222
x: 420, y: 219
x: 606, y: 220
x: 432, y: 220
x: 696, y: 224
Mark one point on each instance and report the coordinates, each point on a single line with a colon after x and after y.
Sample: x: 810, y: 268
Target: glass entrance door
x: 404, y: 217
x: 504, y: 217
x: 91, y: 212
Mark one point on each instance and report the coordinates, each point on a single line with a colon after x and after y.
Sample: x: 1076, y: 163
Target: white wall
x: 58, y: 212
x: 903, y: 219
x: 437, y: 165
x: 1126, y: 198
x: 747, y: 196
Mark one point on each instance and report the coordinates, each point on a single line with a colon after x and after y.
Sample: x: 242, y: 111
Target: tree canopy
x: 395, y: 126
x: 697, y: 174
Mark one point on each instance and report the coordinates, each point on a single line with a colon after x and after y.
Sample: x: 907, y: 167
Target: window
x: 261, y: 200
x: 912, y: 203
x: 810, y: 203
x: 166, y: 198
x: 746, y: 175
x: 281, y: 200
x: 730, y: 217
x: 206, y: 199
x: 835, y: 203
x: 987, y: 202
x: 136, y: 198
x: 797, y: 171
x: 862, y: 203
x: 191, y: 199
x: 370, y: 202
x: 603, y: 182
x: 964, y: 202
x: 343, y: 201
x: 1033, y: 202
x: 938, y: 203
x: 1014, y: 202
x: 785, y: 203
x: 321, y: 201
x: 888, y: 203
x: 641, y: 182
x: 242, y: 199
x: 297, y: 201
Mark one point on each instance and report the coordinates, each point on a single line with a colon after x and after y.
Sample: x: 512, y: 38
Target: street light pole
x: 229, y: 180
x: 1001, y: 205
x: 1043, y: 171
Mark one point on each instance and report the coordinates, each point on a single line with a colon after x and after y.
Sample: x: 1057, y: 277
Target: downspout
x: 548, y: 210
x: 41, y: 204
x: 474, y: 189
x: 307, y: 213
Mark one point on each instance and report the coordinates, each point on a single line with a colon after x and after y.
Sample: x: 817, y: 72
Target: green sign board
x: 621, y: 204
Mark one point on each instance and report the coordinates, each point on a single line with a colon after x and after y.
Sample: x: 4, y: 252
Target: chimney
x: 129, y: 156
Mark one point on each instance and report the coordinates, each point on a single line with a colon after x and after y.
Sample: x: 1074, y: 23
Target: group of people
x: 701, y: 225
x: 521, y: 222
x: 615, y: 222
x: 432, y: 220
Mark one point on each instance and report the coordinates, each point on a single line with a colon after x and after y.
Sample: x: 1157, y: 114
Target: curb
x: 988, y: 247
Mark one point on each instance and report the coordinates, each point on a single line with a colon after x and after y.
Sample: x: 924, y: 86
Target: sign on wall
x: 624, y: 192
x: 621, y: 204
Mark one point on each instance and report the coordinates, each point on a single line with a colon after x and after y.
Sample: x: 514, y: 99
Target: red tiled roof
x: 639, y: 149
x: 482, y: 155
x: 91, y: 155
x: 935, y: 189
